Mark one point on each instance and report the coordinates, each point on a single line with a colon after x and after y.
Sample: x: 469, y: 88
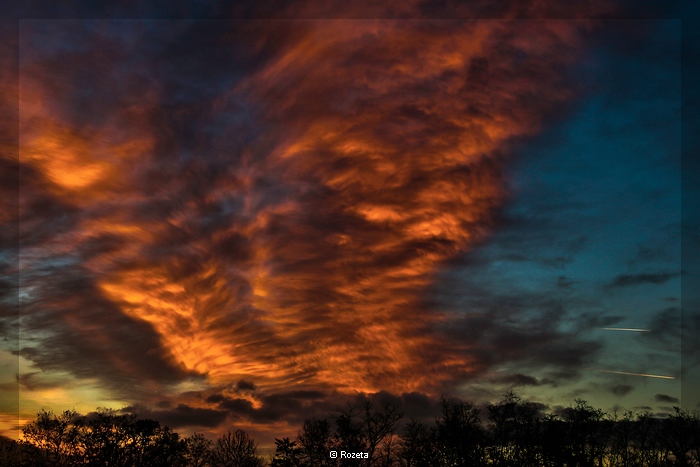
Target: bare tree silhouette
x: 315, y: 442
x: 235, y: 449
x: 517, y: 434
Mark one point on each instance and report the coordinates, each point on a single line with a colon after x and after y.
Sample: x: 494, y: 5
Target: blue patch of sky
x: 593, y: 197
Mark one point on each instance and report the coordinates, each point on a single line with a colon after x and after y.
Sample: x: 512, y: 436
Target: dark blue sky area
x: 590, y: 237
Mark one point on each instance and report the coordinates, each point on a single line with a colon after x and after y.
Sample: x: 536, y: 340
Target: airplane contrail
x: 637, y: 374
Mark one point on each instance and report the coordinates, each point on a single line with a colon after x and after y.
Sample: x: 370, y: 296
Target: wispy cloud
x: 628, y: 280
x: 280, y: 228
x: 666, y: 398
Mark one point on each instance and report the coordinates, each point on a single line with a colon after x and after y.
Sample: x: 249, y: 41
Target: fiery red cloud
x: 280, y: 228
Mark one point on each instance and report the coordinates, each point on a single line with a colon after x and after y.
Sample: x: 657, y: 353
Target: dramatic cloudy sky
x: 248, y: 222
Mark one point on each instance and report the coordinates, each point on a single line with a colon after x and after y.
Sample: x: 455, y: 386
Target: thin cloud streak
x: 637, y: 374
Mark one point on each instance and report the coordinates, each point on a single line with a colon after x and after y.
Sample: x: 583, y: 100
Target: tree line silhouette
x: 515, y: 433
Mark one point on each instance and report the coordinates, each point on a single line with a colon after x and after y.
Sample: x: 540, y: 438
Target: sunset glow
x: 248, y: 222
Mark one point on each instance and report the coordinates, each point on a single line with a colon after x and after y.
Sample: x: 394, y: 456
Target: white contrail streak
x: 626, y: 329
x: 637, y: 374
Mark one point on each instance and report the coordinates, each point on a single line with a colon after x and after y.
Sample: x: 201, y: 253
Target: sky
x: 248, y: 222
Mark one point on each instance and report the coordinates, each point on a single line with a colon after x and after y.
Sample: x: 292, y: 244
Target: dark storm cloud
x: 666, y: 398
x: 519, y: 379
x: 243, y: 385
x: 628, y: 280
x: 239, y: 407
x: 181, y: 416
x: 87, y: 335
x: 291, y: 408
x: 525, y: 328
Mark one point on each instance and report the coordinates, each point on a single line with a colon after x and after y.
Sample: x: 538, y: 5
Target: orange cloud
x: 283, y: 229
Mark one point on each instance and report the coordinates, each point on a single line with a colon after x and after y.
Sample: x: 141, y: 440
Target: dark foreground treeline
x: 516, y: 434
